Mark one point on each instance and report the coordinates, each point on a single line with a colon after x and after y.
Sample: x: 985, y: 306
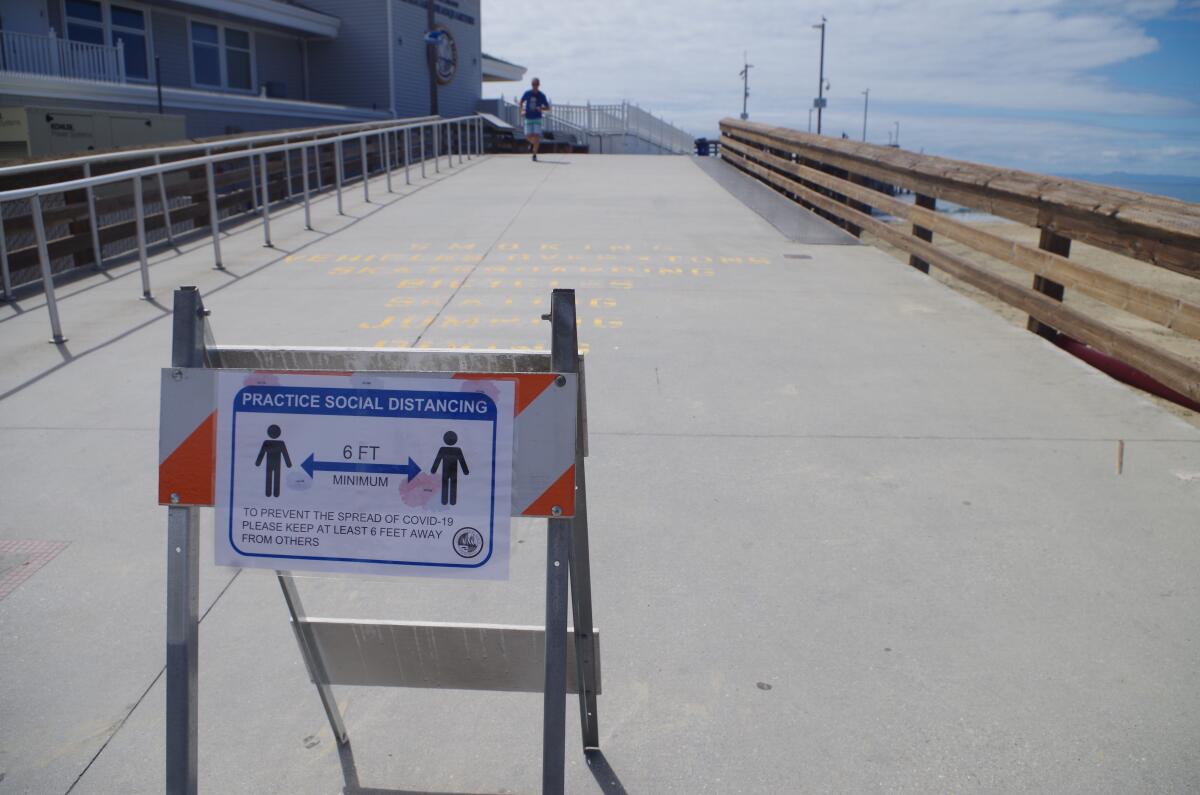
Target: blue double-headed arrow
x: 310, y: 465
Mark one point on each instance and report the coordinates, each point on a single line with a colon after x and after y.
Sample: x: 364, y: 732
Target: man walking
x: 533, y: 105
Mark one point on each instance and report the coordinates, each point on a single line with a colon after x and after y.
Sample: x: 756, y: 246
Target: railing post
x: 162, y: 199
x: 139, y: 209
x: 337, y: 172
x: 287, y: 169
x: 4, y: 273
x: 253, y: 179
x: 55, y: 54
x: 366, y: 174
x: 121, y: 61
x: 266, y: 200
x: 304, y: 184
x: 385, y: 148
x: 39, y: 229
x: 1055, y: 244
x: 93, y: 221
x: 317, y: 163
x: 421, y: 130
x: 921, y: 233
x: 407, y: 157
x: 214, y: 217
x: 437, y: 154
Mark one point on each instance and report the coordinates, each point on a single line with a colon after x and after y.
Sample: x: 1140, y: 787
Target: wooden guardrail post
x: 1055, y: 244
x: 921, y: 233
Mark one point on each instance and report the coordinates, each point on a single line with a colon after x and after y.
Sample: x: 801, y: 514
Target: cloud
x: 682, y: 58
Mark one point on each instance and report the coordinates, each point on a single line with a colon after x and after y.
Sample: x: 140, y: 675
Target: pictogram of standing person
x: 273, y: 450
x: 450, y: 458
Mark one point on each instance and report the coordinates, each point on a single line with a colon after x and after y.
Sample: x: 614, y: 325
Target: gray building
x: 230, y: 66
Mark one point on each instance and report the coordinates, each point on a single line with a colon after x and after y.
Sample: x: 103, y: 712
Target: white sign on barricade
x: 364, y: 473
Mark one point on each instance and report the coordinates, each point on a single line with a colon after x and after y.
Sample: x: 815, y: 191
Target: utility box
x: 41, y: 132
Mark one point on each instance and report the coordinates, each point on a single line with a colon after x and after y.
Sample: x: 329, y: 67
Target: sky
x: 1052, y: 86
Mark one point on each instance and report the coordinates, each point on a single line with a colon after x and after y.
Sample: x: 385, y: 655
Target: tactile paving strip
x: 20, y: 559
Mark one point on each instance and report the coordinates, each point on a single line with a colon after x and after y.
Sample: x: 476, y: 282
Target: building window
x: 129, y: 28
x: 96, y: 22
x: 222, y: 57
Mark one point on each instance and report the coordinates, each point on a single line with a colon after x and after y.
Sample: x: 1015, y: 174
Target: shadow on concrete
x: 350, y: 774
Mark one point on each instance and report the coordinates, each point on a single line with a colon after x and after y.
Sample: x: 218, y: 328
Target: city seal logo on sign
x: 468, y: 542
x: 445, y: 54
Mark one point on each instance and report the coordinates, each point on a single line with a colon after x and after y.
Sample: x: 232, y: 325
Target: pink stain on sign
x: 417, y: 493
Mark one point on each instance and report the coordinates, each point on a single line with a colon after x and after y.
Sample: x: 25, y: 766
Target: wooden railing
x: 841, y: 180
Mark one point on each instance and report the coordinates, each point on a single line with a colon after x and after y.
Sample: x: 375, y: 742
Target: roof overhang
x: 268, y: 12
x: 496, y: 70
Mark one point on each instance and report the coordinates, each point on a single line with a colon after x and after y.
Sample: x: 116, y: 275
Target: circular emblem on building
x: 468, y: 542
x: 446, y: 55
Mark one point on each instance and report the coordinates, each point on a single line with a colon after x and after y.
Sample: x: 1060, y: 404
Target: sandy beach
x: 1132, y: 270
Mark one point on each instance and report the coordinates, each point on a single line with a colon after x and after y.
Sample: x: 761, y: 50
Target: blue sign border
x: 491, y: 416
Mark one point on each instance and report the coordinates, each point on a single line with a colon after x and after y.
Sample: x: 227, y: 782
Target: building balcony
x: 53, y: 57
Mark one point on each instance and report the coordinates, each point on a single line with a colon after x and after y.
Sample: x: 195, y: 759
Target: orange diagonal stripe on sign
x: 528, y: 385
x: 190, y: 470
x: 562, y: 494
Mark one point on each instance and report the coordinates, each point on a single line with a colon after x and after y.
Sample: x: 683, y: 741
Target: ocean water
x: 1183, y: 188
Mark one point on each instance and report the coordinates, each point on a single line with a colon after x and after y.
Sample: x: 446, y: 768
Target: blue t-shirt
x: 534, y: 101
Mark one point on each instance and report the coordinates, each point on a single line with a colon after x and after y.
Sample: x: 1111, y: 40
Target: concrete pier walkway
x: 850, y: 531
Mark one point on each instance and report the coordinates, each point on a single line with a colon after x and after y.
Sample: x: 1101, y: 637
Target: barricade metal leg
x: 437, y: 153
x: 4, y: 273
x: 266, y: 201
x: 458, y: 133
x: 214, y: 218
x: 162, y: 200
x: 422, y: 131
x: 580, y: 571
x: 337, y: 173
x: 449, y: 127
x: 139, y: 210
x: 407, y: 157
x: 312, y: 656
x: 564, y: 353
x: 39, y: 230
x: 304, y: 184
x: 183, y: 581
x: 366, y: 173
x: 93, y: 221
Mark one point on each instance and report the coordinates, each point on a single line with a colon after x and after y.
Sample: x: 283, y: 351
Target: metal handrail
x: 469, y: 137
x: 150, y: 151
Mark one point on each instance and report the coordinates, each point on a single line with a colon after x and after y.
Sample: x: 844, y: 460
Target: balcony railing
x: 51, y: 56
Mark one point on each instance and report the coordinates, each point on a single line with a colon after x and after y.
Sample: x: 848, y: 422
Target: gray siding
x: 351, y: 69
x: 279, y: 61
x: 171, y: 44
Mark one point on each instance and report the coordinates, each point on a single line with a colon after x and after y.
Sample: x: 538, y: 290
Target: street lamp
x: 866, y: 98
x: 897, y: 141
x: 745, y: 75
x: 810, y: 110
x: 819, y: 102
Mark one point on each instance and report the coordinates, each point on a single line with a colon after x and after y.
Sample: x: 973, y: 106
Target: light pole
x: 897, y: 141
x: 745, y: 75
x: 820, y: 101
x: 810, y: 110
x: 866, y: 98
